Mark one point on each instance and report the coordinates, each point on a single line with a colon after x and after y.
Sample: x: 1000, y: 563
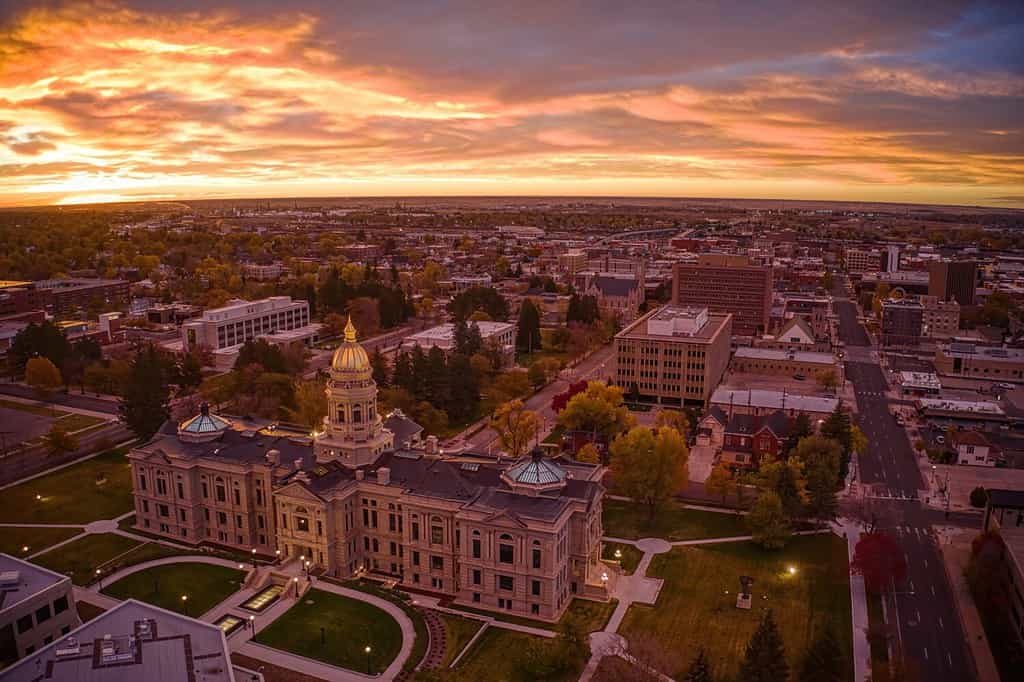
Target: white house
x: 973, y: 449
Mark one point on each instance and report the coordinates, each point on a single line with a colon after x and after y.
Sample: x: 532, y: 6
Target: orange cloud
x: 103, y: 101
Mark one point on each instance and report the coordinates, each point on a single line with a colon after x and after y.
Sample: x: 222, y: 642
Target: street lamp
x: 99, y: 577
x: 277, y: 555
x: 254, y: 557
x: 25, y: 549
x: 618, y: 554
x: 295, y: 581
x: 252, y: 624
x: 792, y: 570
x: 184, y: 604
x: 368, y: 650
x: 39, y: 498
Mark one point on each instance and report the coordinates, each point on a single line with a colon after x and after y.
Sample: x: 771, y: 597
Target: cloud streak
x: 779, y: 100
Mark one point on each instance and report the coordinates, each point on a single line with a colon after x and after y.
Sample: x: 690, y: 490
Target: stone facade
x: 522, y: 537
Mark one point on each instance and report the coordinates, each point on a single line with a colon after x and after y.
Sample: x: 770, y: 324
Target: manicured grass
x: 72, y: 494
x: 40, y: 410
x: 457, y: 632
x: 105, y: 551
x: 697, y: 604
x: 555, y: 437
x: 674, y: 522
x: 205, y: 585
x: 403, y: 601
x: 77, y: 422
x: 629, y: 559
x: 81, y: 558
x: 498, y: 656
x: 614, y: 669
x: 590, y: 615
x: 14, y: 540
x: 347, y: 625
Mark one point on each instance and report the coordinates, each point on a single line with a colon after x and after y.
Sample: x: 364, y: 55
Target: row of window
x: 42, y: 614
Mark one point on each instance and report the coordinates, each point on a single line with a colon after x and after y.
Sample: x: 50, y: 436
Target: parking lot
x: 17, y: 426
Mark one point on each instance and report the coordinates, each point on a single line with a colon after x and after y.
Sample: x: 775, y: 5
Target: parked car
x: 1005, y: 386
x: 799, y: 377
x: 941, y: 440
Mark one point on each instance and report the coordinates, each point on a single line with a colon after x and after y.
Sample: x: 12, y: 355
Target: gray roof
x: 615, y: 286
x: 404, y: 429
x: 31, y: 579
x: 179, y: 649
x: 205, y: 423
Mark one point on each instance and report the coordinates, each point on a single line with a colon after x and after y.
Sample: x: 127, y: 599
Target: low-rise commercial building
x: 133, y: 642
x: 500, y: 335
x: 919, y: 383
x: 859, y: 259
x: 940, y: 319
x: 762, y: 402
x: 980, y: 362
x: 790, y: 363
x: 674, y: 355
x: 37, y: 606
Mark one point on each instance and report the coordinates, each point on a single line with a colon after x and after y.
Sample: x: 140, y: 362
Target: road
x: 927, y: 624
x: 594, y: 367
x: 82, y: 402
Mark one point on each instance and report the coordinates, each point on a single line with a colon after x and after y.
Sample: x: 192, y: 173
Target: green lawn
x: 346, y: 625
x: 14, y: 540
x: 73, y: 494
x: 403, y: 601
x: 105, y: 551
x: 614, y: 669
x: 591, y: 615
x: 205, y: 585
x: 674, y: 522
x: 457, y: 632
x: 697, y: 604
x: 629, y: 556
x: 40, y: 410
x: 77, y: 422
x: 498, y: 654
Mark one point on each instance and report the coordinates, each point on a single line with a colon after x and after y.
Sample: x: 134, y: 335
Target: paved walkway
x: 850, y: 529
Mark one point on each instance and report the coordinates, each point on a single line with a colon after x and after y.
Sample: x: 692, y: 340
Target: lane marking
x: 926, y: 653
x: 940, y: 622
x: 949, y: 658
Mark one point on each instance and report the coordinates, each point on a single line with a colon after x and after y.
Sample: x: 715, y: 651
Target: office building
x: 520, y: 536
x: 953, y: 280
x: 674, y: 355
x: 860, y: 259
x: 133, y: 642
x: 500, y: 335
x: 277, y: 319
x: 37, y: 606
x: 726, y: 285
x: 940, y: 319
x: 980, y: 362
x: 902, y: 322
x: 785, y: 363
x: 65, y: 295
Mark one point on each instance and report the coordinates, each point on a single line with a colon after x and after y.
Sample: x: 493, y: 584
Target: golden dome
x: 350, y: 356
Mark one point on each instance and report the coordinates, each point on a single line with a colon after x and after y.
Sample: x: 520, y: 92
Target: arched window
x: 341, y: 415
x: 357, y: 414
x: 506, y: 553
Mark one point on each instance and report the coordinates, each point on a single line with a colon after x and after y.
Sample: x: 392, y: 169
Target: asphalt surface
x: 82, y: 402
x: 925, y: 619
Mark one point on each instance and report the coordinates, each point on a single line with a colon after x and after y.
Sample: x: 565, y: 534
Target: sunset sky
x: 865, y: 100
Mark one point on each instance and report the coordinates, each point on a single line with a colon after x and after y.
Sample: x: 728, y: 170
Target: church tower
x: 353, y: 431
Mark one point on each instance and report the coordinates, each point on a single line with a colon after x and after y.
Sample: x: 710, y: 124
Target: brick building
x: 726, y: 284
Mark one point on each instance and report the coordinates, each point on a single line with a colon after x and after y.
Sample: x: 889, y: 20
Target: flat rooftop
x: 969, y: 350
x: 775, y: 400
x: 776, y: 354
x: 132, y: 642
x: 920, y: 379
x: 963, y: 406
x: 446, y: 331
x: 21, y: 579
x: 640, y: 329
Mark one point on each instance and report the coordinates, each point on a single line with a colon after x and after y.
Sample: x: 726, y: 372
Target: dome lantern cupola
x: 203, y: 427
x: 534, y: 474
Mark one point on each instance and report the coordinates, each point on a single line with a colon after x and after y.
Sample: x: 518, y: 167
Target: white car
x: 1005, y: 386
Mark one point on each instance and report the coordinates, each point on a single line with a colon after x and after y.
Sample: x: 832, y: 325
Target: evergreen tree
x: 765, y: 659
x: 402, y: 376
x: 38, y: 340
x: 464, y: 388
x: 144, y: 407
x: 436, y: 379
x: 699, y: 671
x: 380, y: 369
x: 801, y: 428
x: 528, y: 337
x: 838, y: 428
x: 474, y: 340
x: 460, y: 336
x: 824, y: 660
x: 189, y: 373
x: 420, y: 372
x: 266, y: 355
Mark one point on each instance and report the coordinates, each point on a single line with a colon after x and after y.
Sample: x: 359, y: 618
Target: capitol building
x: 522, y: 536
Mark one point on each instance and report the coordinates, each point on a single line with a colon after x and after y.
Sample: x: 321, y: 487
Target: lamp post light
x: 368, y: 650
x: 254, y: 557
x: 39, y: 498
x: 252, y: 624
x: 99, y: 577
x: 24, y: 549
x: 306, y: 565
x: 295, y: 581
x: 792, y: 570
x: 277, y: 555
x: 618, y: 554
x: 184, y: 604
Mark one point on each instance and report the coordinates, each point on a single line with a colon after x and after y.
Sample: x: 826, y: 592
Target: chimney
x: 384, y: 475
x: 274, y: 457
x: 360, y: 474
x: 431, y: 445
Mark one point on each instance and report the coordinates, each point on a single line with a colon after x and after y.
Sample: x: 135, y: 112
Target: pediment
x: 297, y: 490
x: 505, y: 519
